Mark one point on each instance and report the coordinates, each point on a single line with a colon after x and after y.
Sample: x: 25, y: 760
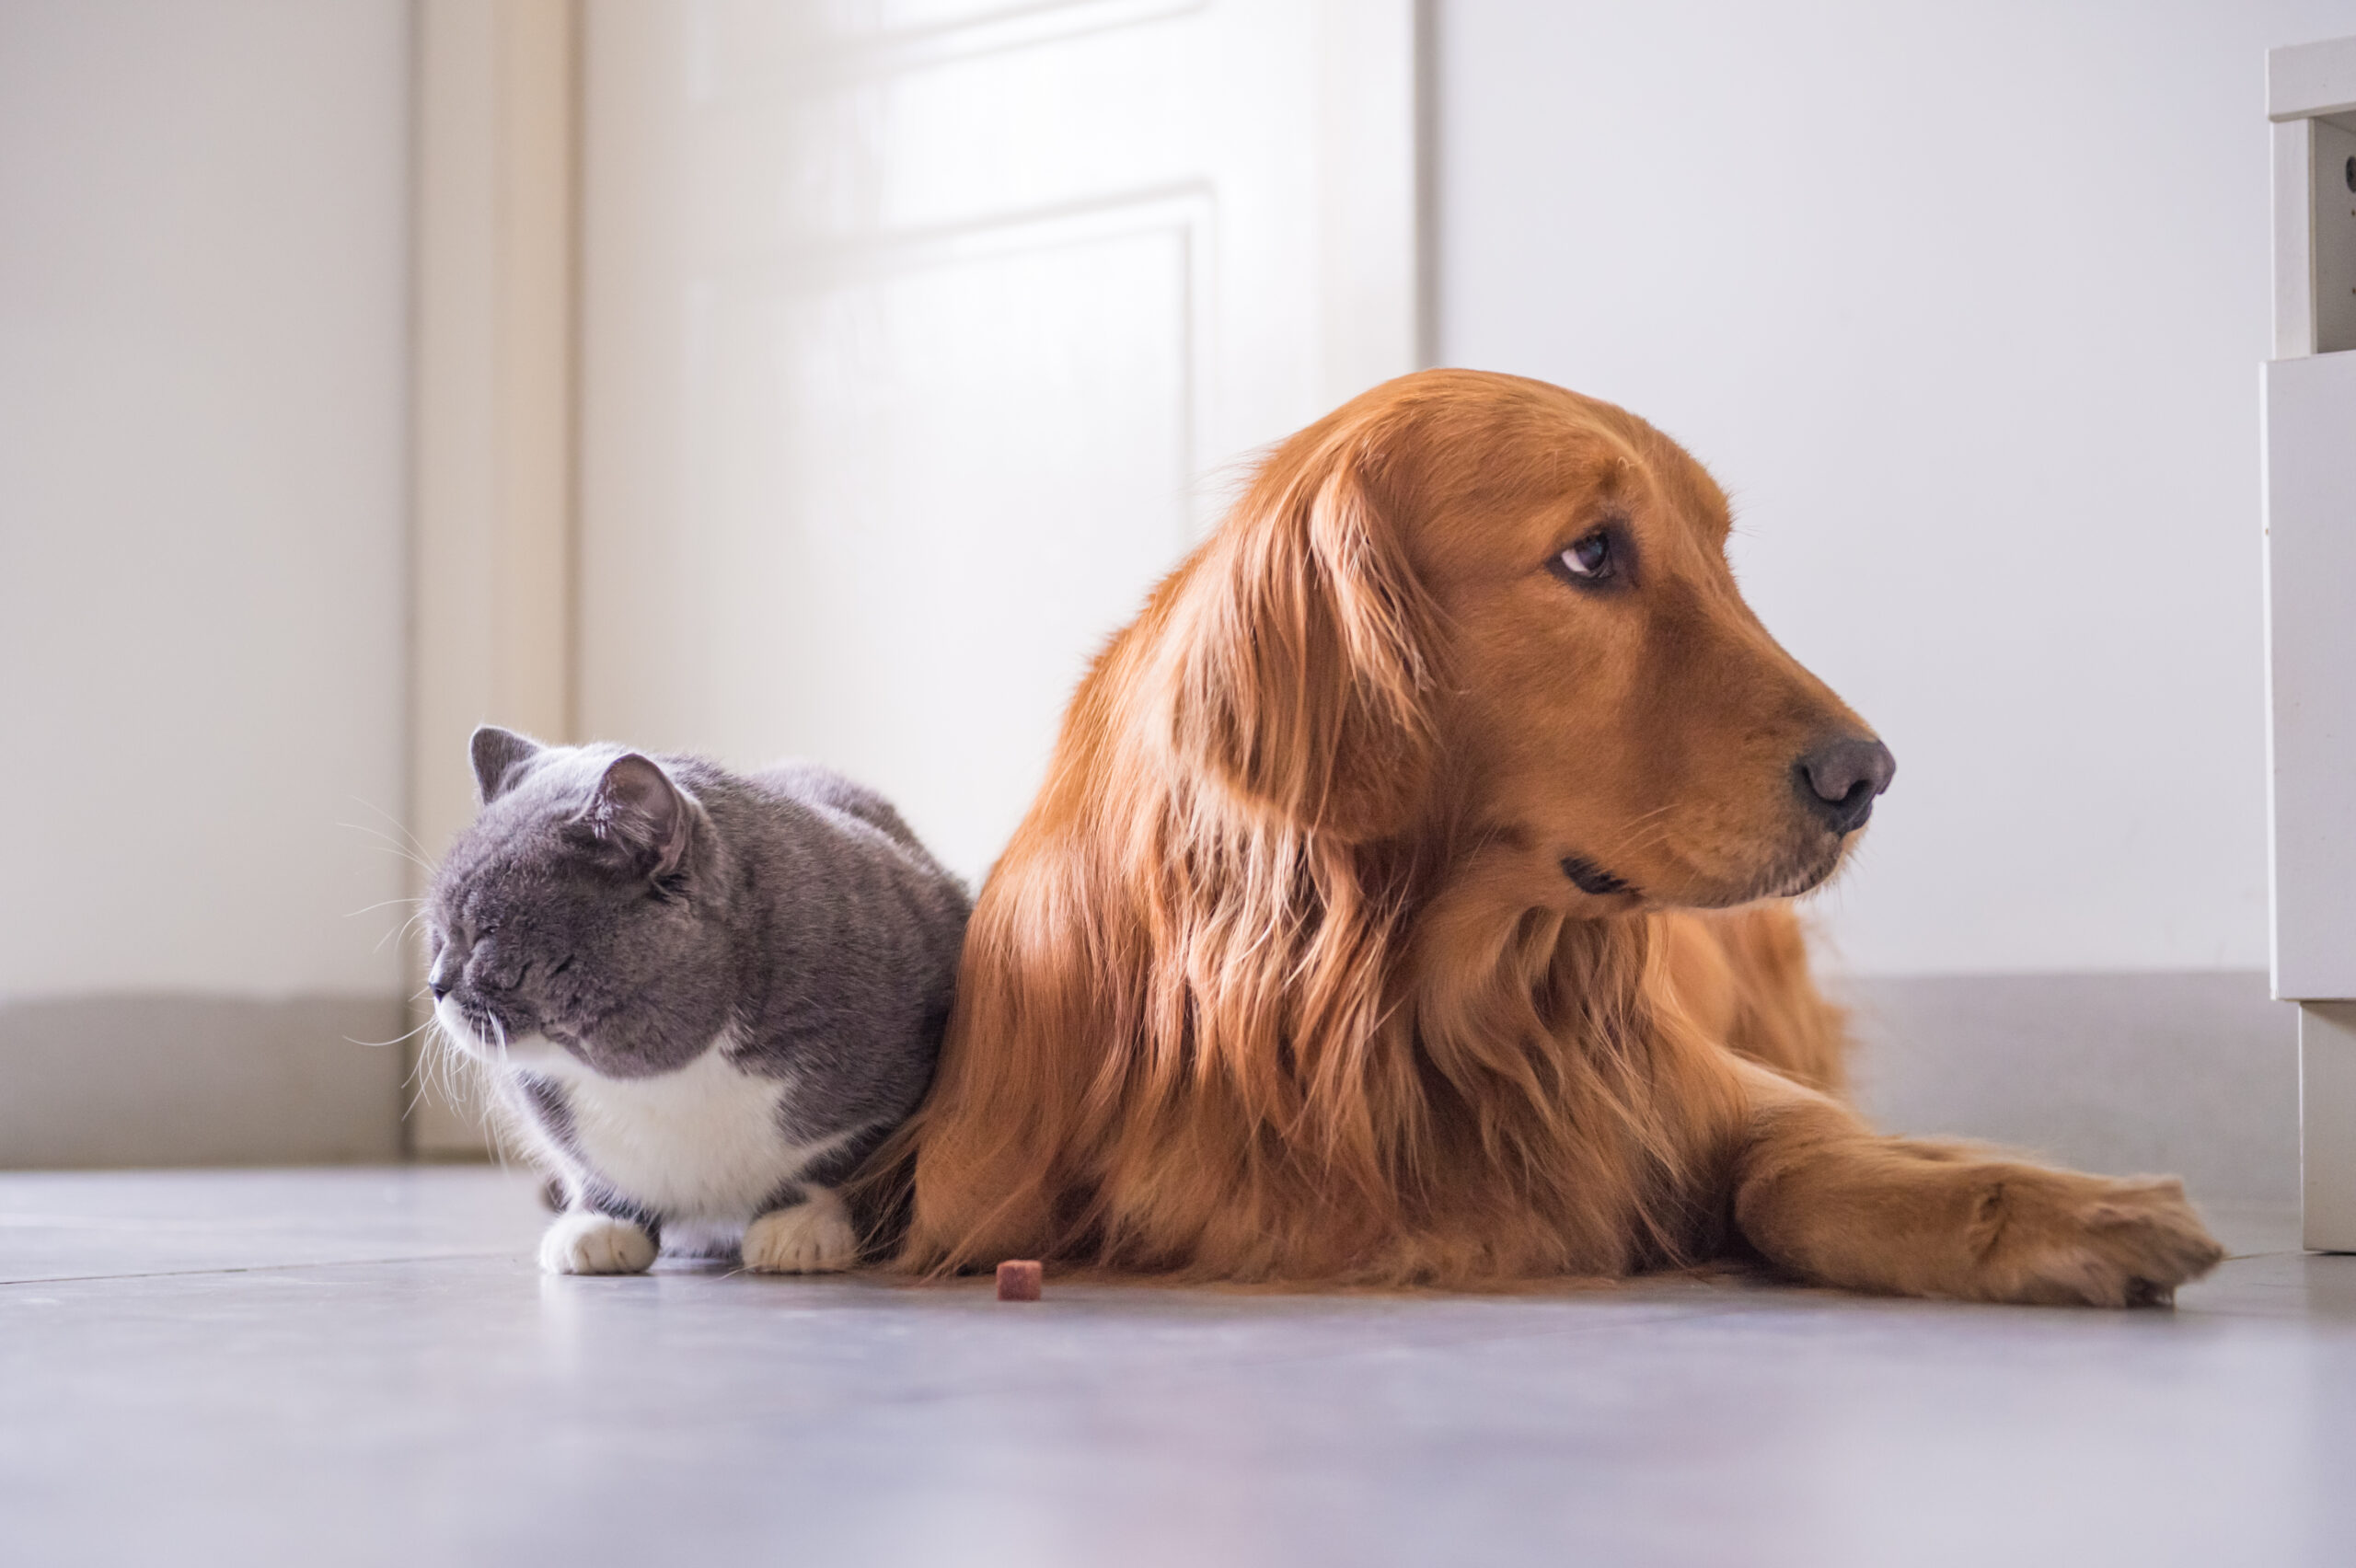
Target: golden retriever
x: 1406, y: 902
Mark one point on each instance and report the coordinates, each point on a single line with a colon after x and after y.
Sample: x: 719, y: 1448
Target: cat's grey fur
x: 655, y: 950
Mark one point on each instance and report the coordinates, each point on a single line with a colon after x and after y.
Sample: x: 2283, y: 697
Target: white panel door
x: 920, y: 336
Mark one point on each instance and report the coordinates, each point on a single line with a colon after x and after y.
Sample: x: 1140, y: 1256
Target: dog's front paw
x: 2057, y: 1238
x: 595, y: 1243
x: 813, y: 1236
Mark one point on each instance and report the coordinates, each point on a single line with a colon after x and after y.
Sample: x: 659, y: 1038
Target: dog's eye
x: 1589, y: 560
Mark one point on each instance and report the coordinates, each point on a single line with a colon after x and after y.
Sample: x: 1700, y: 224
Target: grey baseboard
x: 155, y: 1079
x: 2194, y: 1075
x: 2191, y: 1073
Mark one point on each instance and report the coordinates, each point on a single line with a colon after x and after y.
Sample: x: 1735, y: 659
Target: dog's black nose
x: 1838, y: 780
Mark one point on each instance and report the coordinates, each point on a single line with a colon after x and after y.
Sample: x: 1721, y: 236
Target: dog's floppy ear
x: 1303, y: 671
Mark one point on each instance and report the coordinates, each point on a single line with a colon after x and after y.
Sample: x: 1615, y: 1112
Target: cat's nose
x: 439, y: 986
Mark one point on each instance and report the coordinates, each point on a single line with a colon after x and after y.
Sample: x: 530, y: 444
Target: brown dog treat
x: 1018, y: 1280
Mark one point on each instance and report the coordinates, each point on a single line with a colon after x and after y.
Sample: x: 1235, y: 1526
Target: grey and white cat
x: 702, y: 998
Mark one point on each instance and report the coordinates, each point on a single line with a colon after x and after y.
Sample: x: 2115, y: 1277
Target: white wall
x: 1964, y: 303
x: 202, y: 329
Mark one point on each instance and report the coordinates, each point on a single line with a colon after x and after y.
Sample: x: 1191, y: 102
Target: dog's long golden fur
x: 1406, y: 902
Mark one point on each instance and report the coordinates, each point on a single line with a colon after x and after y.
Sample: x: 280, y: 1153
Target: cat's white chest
x: 706, y: 1143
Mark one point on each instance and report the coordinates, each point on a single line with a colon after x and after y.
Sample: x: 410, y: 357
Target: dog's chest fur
x: 706, y: 1143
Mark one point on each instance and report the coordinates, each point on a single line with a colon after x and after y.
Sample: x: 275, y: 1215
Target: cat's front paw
x: 813, y: 1236
x: 595, y: 1243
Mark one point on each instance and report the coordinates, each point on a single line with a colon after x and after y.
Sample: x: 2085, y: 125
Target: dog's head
x: 1488, y: 598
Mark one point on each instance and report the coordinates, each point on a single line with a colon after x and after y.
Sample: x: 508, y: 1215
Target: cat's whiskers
x: 452, y: 1074
x: 402, y: 932
x: 411, y: 850
x: 384, y: 903
x: 400, y: 1039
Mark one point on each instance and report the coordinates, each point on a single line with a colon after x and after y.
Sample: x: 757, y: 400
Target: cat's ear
x: 499, y: 757
x: 639, y: 810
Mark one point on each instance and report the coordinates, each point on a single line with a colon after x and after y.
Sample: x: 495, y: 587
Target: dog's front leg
x: 1821, y: 1194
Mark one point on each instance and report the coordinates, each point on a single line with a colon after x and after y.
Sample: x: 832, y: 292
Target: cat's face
x: 580, y: 907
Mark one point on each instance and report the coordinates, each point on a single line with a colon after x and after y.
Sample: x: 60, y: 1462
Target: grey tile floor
x: 361, y: 1366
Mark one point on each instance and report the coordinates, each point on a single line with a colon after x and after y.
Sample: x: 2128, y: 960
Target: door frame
x: 494, y: 328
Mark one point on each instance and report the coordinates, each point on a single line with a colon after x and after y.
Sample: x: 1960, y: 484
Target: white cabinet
x: 2310, y: 475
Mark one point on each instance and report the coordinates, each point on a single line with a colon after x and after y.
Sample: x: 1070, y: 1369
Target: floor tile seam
x: 1035, y: 1382
x: 1027, y: 1383
x: 1028, y: 1379
x: 1839, y: 1304
x: 262, y: 1268
x: 1492, y: 1341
